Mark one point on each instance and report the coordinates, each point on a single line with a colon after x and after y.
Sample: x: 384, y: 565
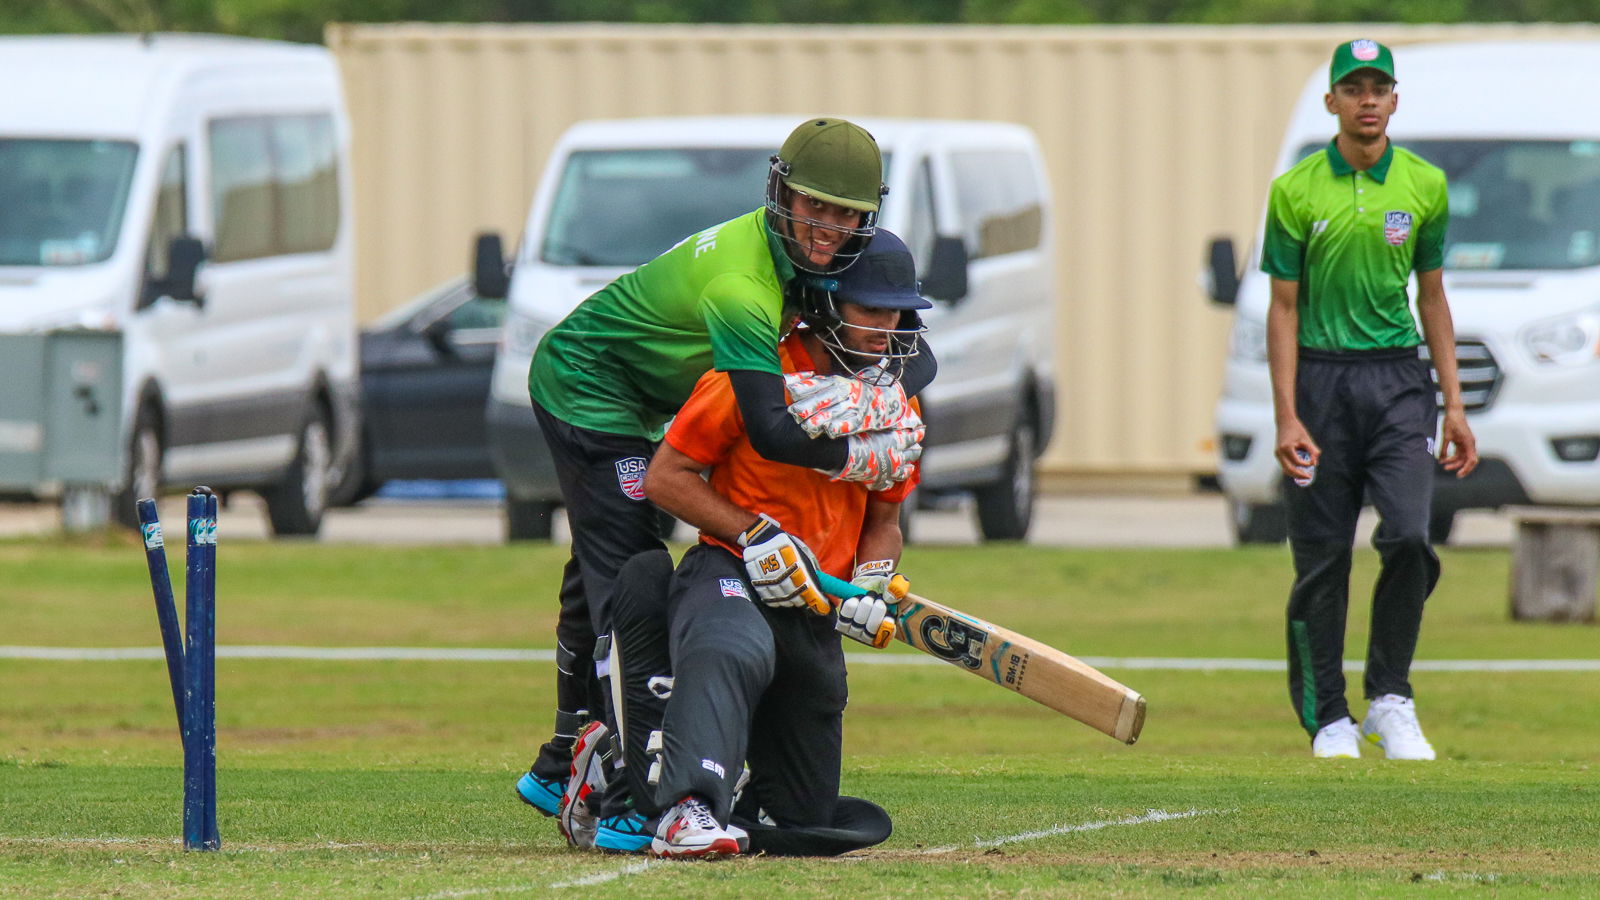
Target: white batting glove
x: 879, y: 577
x: 882, y: 459
x: 867, y: 618
x: 842, y: 405
x: 781, y: 568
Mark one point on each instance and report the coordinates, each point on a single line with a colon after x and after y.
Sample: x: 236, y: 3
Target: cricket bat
x: 1033, y: 669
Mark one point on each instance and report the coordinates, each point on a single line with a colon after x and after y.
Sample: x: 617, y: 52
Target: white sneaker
x: 575, y: 816
x: 1337, y: 740
x: 1392, y: 724
x: 690, y: 831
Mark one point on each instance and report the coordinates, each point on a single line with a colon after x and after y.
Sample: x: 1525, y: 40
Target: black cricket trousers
x: 1374, y: 415
x: 602, y: 484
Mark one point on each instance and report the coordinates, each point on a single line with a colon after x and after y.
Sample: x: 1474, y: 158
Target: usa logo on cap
x: 1396, y: 227
x: 630, y: 476
x: 1364, y: 50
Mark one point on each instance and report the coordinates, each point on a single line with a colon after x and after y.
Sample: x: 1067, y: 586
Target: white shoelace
x: 699, y: 816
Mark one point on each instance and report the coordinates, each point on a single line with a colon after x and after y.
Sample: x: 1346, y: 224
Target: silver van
x: 971, y: 199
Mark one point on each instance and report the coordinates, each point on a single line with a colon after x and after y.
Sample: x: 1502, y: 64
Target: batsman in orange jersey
x: 719, y: 668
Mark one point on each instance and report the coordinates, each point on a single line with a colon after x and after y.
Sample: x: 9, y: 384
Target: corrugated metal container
x: 1157, y: 138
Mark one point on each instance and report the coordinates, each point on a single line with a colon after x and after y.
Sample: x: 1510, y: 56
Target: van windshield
x: 61, y: 201
x: 1518, y: 204
x: 626, y: 207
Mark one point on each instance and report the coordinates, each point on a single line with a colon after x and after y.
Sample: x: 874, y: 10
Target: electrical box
x: 60, y: 410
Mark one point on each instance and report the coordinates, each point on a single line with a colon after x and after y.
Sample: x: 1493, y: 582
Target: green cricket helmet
x: 834, y: 161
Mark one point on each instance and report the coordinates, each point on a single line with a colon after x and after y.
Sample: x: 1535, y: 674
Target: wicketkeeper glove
x: 781, y: 568
x: 882, y: 459
x: 841, y: 405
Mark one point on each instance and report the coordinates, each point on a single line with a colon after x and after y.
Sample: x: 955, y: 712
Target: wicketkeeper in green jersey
x: 1355, y: 405
x: 606, y: 380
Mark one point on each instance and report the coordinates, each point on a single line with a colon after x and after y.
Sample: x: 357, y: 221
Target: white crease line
x: 586, y: 881
x: 491, y: 654
x: 1154, y: 815
x: 603, y: 877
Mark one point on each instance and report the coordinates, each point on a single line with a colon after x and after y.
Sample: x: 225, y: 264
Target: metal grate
x: 1479, y: 373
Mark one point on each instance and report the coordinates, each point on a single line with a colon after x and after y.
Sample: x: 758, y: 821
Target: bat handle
x: 838, y: 587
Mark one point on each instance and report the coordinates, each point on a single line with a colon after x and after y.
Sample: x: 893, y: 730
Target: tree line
x: 303, y: 20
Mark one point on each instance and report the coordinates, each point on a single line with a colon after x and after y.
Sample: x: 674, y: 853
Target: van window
x: 921, y: 218
x: 625, y: 207
x: 274, y: 186
x: 1517, y: 204
x: 171, y: 219
x: 1001, y: 207
x: 61, y: 201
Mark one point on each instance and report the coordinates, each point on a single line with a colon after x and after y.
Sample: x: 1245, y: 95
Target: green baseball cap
x: 836, y: 161
x: 1359, y: 54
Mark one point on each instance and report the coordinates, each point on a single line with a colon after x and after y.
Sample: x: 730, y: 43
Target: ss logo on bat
x: 955, y: 641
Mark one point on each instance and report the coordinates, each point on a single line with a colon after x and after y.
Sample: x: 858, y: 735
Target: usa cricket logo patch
x: 630, y: 476
x: 1364, y: 50
x: 732, y: 587
x: 1396, y: 227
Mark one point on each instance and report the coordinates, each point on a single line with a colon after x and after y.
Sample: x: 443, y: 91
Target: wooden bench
x: 1555, y: 563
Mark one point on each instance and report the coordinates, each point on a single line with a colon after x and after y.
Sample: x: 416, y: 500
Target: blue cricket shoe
x: 540, y: 793
x: 629, y: 832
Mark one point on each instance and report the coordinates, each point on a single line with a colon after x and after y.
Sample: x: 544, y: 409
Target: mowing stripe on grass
x: 491, y: 654
x: 1154, y: 815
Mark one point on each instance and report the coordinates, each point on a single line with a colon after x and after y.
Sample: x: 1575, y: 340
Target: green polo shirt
x: 627, y: 358
x: 1351, y: 239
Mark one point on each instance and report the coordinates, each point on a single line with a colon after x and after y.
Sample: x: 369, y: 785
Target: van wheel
x: 529, y: 520
x: 144, y: 468
x: 1265, y: 523
x: 296, y: 504
x: 1005, y: 507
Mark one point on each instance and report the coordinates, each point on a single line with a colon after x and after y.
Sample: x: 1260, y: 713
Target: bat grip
x: 838, y: 587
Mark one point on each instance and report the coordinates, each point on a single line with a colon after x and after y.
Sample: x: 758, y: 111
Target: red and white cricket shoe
x: 690, y: 831
x: 577, y: 817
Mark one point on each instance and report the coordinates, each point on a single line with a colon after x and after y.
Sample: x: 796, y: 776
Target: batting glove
x: 867, y: 618
x: 882, y: 459
x: 842, y: 405
x: 879, y: 577
x: 781, y: 568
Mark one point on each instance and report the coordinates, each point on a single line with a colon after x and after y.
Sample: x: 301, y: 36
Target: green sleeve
x: 741, y: 317
x: 1283, y: 252
x: 1429, y: 254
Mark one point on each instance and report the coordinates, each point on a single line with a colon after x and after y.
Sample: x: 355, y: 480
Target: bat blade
x: 1032, y: 668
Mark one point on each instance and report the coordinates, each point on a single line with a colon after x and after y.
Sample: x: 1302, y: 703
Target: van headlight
x: 1248, y: 340
x: 1572, y: 340
x: 519, y: 337
x: 522, y: 333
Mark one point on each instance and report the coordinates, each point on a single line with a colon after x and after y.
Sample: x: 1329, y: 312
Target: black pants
x: 601, y: 477
x: 750, y: 684
x: 1374, y: 415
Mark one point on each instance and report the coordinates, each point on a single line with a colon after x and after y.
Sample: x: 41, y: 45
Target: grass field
x: 353, y: 779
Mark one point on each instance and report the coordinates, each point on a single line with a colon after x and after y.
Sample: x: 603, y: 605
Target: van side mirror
x: 437, y: 333
x: 946, y: 278
x: 489, y: 276
x: 1222, y: 281
x: 184, y: 256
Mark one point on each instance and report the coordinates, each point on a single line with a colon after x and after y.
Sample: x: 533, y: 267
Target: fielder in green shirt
x: 1354, y: 404
x: 607, y: 378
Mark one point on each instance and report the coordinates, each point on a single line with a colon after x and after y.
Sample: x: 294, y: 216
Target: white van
x: 1510, y: 126
x: 971, y: 199
x: 193, y: 194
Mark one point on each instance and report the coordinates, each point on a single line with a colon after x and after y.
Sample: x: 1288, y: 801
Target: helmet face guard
x: 782, y: 219
x: 820, y: 314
